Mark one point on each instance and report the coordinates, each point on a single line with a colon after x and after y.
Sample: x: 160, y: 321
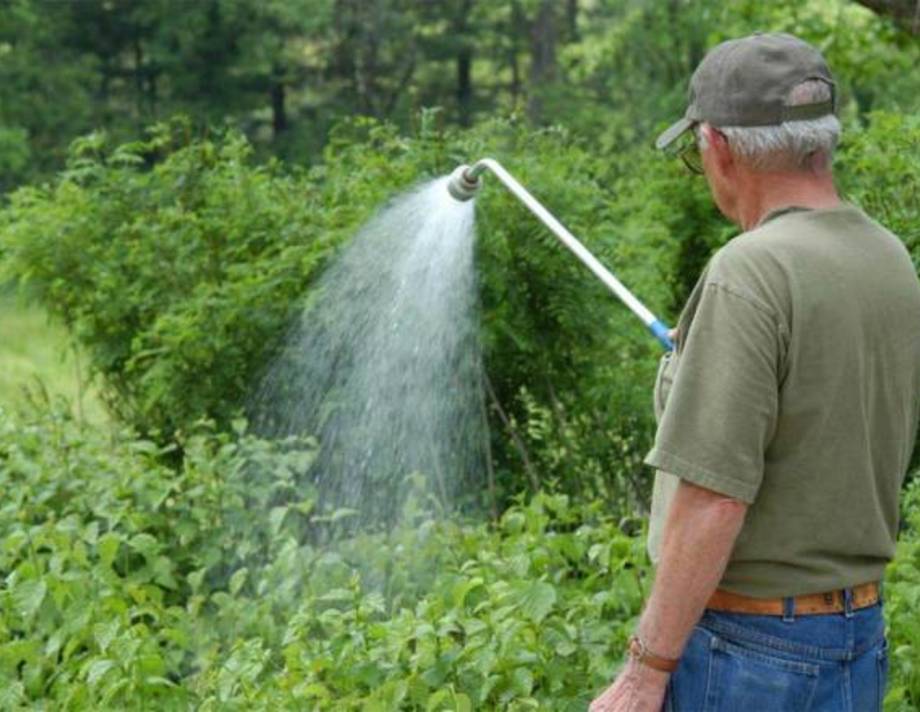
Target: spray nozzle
x: 463, y: 185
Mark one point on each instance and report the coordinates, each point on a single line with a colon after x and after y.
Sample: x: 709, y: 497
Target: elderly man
x: 787, y: 415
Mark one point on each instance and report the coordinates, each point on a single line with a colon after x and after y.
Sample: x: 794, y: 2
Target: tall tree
x: 544, y: 32
x: 46, y: 91
x: 377, y: 52
x: 464, y: 62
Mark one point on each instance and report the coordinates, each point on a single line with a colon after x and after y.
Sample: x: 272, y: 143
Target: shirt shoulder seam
x: 746, y: 297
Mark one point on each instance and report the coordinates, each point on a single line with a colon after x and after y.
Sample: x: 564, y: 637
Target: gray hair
x: 792, y: 145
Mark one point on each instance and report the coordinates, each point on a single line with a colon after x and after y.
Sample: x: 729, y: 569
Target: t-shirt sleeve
x: 721, y: 411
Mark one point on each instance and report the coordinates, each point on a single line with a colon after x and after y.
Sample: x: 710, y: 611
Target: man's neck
x: 768, y: 192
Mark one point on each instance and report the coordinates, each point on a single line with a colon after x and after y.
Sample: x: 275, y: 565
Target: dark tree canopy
x: 287, y: 71
x: 906, y: 13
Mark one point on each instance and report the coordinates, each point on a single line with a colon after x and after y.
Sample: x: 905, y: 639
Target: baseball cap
x: 745, y: 82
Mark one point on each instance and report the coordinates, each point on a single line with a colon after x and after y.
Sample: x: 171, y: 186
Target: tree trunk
x: 151, y: 89
x: 571, y: 20
x: 279, y: 112
x: 139, y: 93
x: 367, y: 52
x: 464, y: 63
x: 342, y: 67
x: 464, y: 85
x: 517, y: 22
x: 342, y: 60
x: 399, y: 89
x: 104, y: 92
x: 543, y: 36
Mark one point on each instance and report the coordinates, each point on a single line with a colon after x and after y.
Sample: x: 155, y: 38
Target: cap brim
x: 672, y: 133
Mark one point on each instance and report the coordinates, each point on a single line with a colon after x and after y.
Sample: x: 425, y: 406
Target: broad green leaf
x: 97, y: 669
x: 195, y: 579
x: 157, y: 681
x: 463, y: 588
x: 462, y: 703
x: 276, y: 518
x: 145, y: 544
x: 536, y: 600
x: 105, y: 633
x: 238, y: 580
x: 28, y: 596
x: 522, y: 681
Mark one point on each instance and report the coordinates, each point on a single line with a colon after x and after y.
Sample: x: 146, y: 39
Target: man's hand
x: 699, y: 534
x: 638, y: 688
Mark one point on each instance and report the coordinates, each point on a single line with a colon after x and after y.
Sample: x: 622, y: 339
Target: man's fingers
x: 612, y: 698
x: 599, y: 704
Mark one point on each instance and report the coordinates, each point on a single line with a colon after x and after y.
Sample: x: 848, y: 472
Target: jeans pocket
x: 744, y: 678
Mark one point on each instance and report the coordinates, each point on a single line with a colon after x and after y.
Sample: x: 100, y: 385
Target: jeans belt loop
x: 788, y: 609
x: 848, y: 602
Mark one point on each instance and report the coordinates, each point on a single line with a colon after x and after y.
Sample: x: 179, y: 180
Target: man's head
x: 761, y: 109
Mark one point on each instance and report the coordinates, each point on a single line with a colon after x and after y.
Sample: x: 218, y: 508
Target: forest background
x: 176, y: 176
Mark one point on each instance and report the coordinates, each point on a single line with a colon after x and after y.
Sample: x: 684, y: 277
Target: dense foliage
x: 180, y: 279
x: 131, y: 585
x: 285, y: 71
x: 181, y: 561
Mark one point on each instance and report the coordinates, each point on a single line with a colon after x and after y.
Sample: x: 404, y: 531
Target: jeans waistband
x: 834, y: 637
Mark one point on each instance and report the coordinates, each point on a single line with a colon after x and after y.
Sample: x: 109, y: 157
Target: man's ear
x: 718, y: 143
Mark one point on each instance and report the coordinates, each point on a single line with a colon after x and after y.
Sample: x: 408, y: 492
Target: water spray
x: 465, y: 182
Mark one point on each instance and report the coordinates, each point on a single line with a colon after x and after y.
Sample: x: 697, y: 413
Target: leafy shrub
x: 132, y: 585
x: 179, y: 264
x: 902, y: 598
x: 879, y: 170
x: 155, y: 270
x: 106, y: 550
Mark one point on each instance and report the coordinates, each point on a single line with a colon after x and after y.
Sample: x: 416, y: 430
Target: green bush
x: 879, y: 170
x: 902, y: 599
x: 132, y: 585
x: 178, y: 264
x: 176, y: 276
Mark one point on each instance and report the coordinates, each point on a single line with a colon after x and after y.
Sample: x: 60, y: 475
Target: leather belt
x: 862, y: 596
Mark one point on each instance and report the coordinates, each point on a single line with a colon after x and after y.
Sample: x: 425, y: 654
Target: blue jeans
x: 736, y: 662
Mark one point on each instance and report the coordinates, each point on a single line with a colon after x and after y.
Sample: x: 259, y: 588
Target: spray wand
x: 465, y: 183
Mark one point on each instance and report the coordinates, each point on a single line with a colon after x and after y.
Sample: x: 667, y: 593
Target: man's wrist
x: 644, y: 676
x: 642, y: 655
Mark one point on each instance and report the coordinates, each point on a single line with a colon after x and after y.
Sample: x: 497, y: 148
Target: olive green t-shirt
x: 795, y: 387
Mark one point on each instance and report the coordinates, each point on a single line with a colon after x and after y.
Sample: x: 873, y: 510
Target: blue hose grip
x: 660, y: 330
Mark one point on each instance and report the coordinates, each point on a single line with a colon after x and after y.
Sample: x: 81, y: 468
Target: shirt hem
x: 701, y: 476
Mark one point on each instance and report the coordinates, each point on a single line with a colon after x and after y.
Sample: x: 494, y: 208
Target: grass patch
x: 39, y: 360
